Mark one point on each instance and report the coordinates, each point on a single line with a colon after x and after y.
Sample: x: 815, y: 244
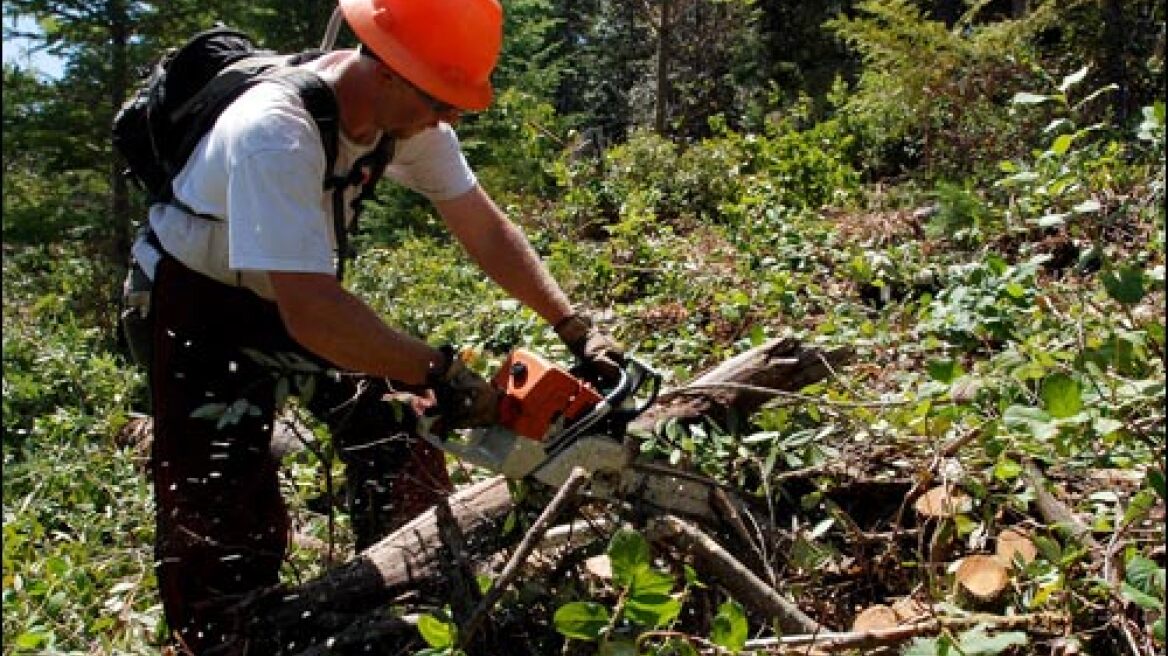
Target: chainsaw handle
x: 637, y: 373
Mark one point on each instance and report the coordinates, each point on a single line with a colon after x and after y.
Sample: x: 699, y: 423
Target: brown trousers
x: 222, y: 526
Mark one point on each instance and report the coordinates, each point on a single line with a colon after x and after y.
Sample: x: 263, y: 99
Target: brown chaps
x: 219, y: 355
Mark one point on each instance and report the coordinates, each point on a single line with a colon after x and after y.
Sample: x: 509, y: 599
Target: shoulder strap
x: 321, y: 103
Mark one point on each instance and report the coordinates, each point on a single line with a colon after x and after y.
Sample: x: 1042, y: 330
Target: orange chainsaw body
x: 537, y: 394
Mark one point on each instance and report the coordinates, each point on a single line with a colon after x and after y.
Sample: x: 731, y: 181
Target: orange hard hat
x: 447, y: 48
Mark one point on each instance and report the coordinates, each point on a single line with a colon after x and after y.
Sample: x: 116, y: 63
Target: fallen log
x: 409, y: 561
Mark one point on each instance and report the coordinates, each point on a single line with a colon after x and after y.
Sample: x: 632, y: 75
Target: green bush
x: 932, y: 99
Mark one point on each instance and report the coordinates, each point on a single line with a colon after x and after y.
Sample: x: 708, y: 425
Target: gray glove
x: 465, y: 399
x: 597, y: 351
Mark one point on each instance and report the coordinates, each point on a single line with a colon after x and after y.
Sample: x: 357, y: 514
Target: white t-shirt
x: 261, y: 169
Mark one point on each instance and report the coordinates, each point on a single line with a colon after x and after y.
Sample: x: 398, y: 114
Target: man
x: 258, y: 285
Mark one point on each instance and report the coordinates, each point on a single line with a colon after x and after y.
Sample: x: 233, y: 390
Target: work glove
x: 598, y: 352
x: 464, y: 398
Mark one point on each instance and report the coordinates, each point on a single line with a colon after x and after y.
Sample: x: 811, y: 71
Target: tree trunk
x: 664, y: 32
x: 120, y: 219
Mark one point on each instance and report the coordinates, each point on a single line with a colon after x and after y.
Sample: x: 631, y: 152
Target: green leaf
x: 653, y: 610
x: 1145, y: 575
x: 1125, y: 285
x: 1141, y: 598
x: 582, y: 620
x: 730, y: 628
x: 31, y: 640
x: 646, y: 581
x: 1033, y: 420
x: 1158, y: 629
x: 1062, y: 144
x: 1062, y: 396
x: 1049, y: 548
x: 629, y: 552
x: 977, y: 642
x: 1140, y: 505
x: 435, y: 632
x: 1155, y: 478
x: 945, y: 371
x: 1007, y: 470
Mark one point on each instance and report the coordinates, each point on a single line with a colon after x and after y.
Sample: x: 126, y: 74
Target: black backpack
x: 157, y: 129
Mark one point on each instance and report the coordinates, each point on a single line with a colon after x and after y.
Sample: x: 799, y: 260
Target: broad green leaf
x: 1155, y: 478
x: 1027, y: 98
x: 1145, y: 575
x: 629, y: 552
x: 1073, y: 79
x: 435, y: 632
x: 978, y: 642
x: 1062, y: 396
x: 1035, y: 421
x: 1141, y: 598
x: 1158, y: 629
x: 1105, y: 425
x: 1062, y: 144
x: 31, y: 640
x: 1138, y: 508
x: 945, y: 371
x: 730, y: 628
x: 1125, y: 285
x: 1049, y: 548
x: 582, y: 620
x: 653, y: 610
x: 647, y: 581
x: 1007, y: 470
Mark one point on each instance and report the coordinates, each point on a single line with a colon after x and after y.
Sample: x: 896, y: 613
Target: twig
x: 1046, y: 622
x: 697, y: 389
x: 464, y: 591
x: 743, y: 584
x: 923, y: 483
x: 567, y: 492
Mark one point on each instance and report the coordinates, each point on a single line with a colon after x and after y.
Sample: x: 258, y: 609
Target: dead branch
x: 743, y: 584
x: 782, y: 364
x: 1044, y: 623
x: 567, y: 492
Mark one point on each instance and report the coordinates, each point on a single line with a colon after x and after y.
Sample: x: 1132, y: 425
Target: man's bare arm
x: 502, y: 251
x: 331, y: 322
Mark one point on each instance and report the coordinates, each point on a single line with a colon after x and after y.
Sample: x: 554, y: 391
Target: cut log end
x: 874, y: 618
x: 1015, y: 545
x: 982, y: 578
x: 942, y: 502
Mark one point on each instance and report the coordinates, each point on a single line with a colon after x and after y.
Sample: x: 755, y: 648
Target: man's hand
x: 465, y: 399
x: 597, y: 351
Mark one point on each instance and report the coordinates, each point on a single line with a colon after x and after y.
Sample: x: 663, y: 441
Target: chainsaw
x: 552, y: 421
